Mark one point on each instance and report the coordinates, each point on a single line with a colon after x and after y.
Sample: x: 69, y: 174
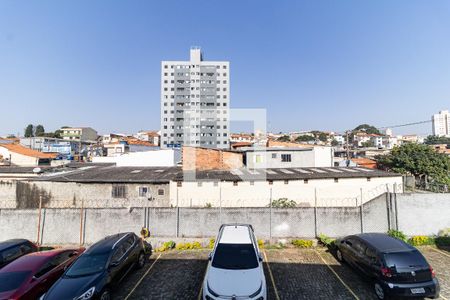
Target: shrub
x: 283, y: 203
x: 302, y: 243
x: 166, y: 246
x: 325, y: 240
x: 397, y: 234
x: 196, y: 245
x: 261, y: 244
x: 169, y: 245
x: 180, y: 246
x: 208, y: 205
x: 211, y: 243
x: 420, y: 240
x: 188, y: 246
x: 442, y: 241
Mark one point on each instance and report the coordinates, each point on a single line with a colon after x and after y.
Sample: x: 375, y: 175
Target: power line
x: 407, y: 124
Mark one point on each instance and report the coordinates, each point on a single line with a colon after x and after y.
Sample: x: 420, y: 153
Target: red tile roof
x: 19, y: 149
x: 365, y: 162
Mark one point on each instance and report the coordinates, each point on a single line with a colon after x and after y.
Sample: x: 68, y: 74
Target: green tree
x: 323, y: 137
x: 334, y: 143
x: 284, y: 138
x: 434, y: 140
x: 29, y: 131
x: 367, y: 129
x: 418, y: 160
x: 57, y: 134
x: 304, y: 138
x: 39, y: 131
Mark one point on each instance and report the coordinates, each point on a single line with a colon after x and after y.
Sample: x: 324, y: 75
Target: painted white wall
x: 19, y: 159
x: 313, y: 157
x: 156, y: 158
x: 345, y: 192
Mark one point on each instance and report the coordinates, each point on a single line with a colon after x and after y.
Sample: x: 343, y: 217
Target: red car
x: 30, y: 276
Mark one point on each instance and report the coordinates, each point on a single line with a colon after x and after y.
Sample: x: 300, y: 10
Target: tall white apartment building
x: 441, y: 123
x: 195, y: 101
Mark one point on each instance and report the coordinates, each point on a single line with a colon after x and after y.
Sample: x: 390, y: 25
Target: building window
x: 274, y: 155
x: 286, y: 182
x: 119, y: 191
x: 285, y: 157
x: 235, y: 183
x: 179, y: 184
x: 143, y: 190
x: 336, y: 180
x: 305, y: 181
x: 160, y: 192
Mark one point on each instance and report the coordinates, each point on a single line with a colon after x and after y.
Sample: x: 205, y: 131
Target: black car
x: 396, y: 268
x: 104, y: 264
x: 13, y: 249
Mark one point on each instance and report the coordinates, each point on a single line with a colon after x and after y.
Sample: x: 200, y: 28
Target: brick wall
x: 195, y: 158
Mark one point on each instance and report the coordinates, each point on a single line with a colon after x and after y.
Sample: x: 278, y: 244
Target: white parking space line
x: 142, y: 278
x: 440, y: 251
x: 337, y: 276
x: 271, y: 276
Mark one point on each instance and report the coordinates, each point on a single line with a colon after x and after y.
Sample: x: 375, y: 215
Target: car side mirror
x: 260, y: 258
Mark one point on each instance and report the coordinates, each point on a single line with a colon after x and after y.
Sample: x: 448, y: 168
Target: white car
x: 235, y: 269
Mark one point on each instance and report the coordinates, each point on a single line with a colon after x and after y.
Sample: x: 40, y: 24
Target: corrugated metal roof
x: 113, y: 174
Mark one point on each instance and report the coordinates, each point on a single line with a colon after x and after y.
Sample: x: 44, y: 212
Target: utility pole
x: 348, y: 149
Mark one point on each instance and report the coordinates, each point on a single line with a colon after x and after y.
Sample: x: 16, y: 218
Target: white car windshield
x: 235, y: 257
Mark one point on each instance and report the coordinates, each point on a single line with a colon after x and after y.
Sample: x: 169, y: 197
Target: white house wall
x: 345, y: 192
x: 154, y: 158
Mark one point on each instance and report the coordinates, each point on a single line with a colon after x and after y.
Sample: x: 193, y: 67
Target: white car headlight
x: 257, y: 292
x: 87, y: 295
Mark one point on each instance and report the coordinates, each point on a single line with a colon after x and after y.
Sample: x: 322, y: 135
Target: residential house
x: 18, y: 155
x: 152, y: 137
x: 82, y: 134
x: 288, y: 157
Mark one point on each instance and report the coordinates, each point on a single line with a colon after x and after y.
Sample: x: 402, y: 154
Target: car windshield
x: 405, y: 259
x: 88, y: 264
x: 235, y: 257
x: 12, y: 280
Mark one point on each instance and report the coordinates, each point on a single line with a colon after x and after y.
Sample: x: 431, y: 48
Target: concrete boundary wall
x: 415, y: 214
x: 423, y: 214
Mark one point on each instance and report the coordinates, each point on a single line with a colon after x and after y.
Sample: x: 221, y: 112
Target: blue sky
x: 327, y: 65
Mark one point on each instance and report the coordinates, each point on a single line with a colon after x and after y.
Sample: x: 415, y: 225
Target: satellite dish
x: 37, y: 170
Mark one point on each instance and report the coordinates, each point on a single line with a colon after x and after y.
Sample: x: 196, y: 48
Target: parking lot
x: 290, y: 274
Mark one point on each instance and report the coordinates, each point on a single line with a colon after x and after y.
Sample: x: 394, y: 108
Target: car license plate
x: 418, y: 291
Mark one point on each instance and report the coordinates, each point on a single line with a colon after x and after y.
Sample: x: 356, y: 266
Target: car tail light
x: 386, y: 272
x: 433, y: 274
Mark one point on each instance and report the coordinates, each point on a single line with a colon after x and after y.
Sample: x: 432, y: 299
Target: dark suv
x: 13, y: 249
x: 397, y: 269
x: 104, y: 264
